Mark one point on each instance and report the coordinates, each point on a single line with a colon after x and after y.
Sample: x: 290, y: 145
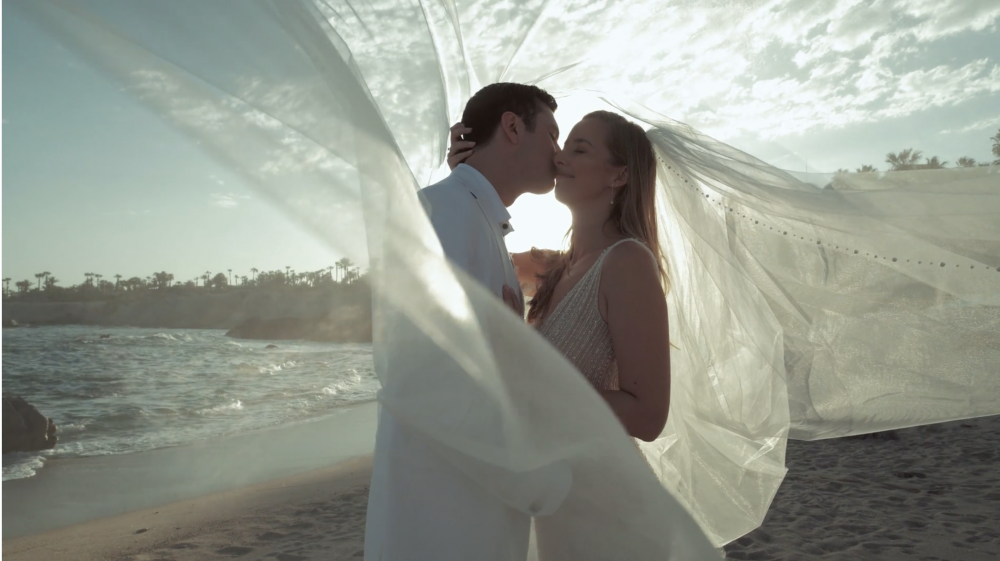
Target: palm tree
x: 205, y: 277
x: 90, y: 278
x: 996, y: 146
x: 6, y: 288
x: 39, y: 277
x: 867, y: 168
x: 287, y: 269
x: 23, y: 286
x: 904, y: 160
x: 162, y: 279
x: 345, y: 265
x: 98, y: 277
x: 254, y: 271
x: 230, y: 276
x: 50, y: 283
x: 966, y: 162
x: 932, y: 163
x: 118, y: 281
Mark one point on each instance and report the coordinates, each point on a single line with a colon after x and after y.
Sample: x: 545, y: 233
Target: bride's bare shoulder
x: 631, y: 266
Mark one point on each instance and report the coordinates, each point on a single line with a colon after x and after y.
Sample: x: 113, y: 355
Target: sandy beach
x: 927, y: 493
x: 316, y: 515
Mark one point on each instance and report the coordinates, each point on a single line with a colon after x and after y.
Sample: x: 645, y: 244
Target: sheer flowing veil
x: 803, y: 306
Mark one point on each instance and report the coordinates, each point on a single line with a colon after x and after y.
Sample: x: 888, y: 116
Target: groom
x: 420, y: 506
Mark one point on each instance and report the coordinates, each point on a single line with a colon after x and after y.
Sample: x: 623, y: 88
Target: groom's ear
x: 511, y: 127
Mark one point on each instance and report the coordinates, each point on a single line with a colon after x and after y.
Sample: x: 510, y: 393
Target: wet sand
x: 317, y: 515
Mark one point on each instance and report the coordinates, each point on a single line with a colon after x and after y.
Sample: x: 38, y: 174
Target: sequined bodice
x: 575, y: 327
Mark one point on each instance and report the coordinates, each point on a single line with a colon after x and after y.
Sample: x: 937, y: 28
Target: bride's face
x: 584, y: 168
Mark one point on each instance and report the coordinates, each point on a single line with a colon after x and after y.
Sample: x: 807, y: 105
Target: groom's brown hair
x: 484, y: 110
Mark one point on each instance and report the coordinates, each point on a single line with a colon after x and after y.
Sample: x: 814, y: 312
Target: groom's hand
x: 460, y: 150
x: 513, y: 301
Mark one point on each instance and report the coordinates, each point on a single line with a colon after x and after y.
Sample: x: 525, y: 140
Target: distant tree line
x: 910, y: 159
x: 96, y: 287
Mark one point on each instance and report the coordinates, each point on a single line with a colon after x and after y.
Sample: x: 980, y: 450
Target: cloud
x: 775, y: 68
x: 941, y: 86
x: 982, y: 125
x: 227, y: 200
x: 768, y: 68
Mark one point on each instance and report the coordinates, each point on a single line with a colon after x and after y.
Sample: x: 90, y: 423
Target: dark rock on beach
x: 25, y: 429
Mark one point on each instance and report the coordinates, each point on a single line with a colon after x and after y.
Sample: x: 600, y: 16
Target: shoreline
x: 73, y: 491
x: 264, y: 519
x: 879, y: 498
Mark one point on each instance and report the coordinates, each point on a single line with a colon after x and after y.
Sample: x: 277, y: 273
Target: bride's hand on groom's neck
x: 460, y: 150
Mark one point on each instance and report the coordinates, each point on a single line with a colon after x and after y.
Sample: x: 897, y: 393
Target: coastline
x: 341, y: 314
x: 73, y: 491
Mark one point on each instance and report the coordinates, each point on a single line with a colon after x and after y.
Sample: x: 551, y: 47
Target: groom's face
x: 538, y: 152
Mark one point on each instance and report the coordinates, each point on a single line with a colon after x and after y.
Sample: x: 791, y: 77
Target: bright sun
x: 539, y: 221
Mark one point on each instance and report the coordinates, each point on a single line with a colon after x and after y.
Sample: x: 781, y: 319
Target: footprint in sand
x: 909, y: 474
x: 234, y: 550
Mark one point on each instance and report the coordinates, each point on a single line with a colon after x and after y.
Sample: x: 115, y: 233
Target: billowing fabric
x: 797, y: 311
x: 420, y: 505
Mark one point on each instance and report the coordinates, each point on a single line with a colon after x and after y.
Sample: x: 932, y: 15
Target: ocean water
x: 125, y: 390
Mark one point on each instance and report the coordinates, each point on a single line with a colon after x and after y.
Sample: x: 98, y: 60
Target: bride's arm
x: 635, y: 308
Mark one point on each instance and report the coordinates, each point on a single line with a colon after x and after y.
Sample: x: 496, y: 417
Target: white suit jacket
x: 420, y: 506
x: 471, y: 221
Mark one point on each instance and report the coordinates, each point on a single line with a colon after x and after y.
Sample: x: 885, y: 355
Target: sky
x: 93, y: 181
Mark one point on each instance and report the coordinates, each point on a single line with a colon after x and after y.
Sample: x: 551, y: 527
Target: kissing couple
x: 601, y: 304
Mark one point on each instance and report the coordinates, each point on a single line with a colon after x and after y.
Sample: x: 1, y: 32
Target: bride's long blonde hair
x: 633, y: 212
